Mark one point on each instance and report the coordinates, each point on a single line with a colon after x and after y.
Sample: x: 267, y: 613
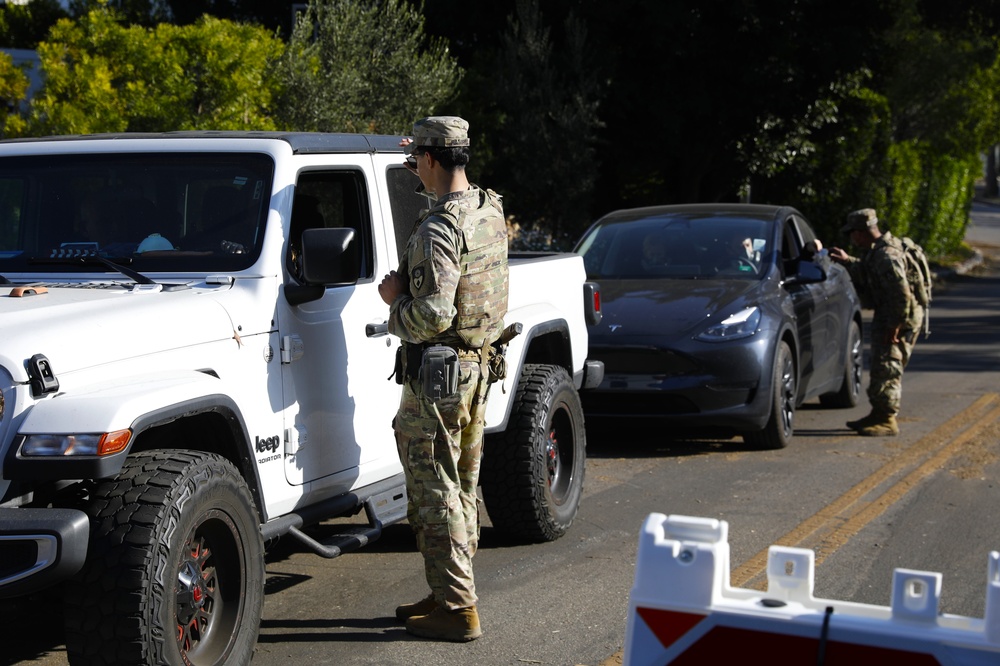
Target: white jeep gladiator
x: 194, y: 361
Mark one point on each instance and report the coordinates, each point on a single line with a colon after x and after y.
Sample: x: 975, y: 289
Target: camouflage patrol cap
x: 439, y: 132
x: 860, y: 220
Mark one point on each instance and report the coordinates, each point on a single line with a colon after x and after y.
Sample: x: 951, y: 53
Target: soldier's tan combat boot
x: 423, y: 607
x: 458, y: 626
x: 865, y: 421
x: 887, y: 427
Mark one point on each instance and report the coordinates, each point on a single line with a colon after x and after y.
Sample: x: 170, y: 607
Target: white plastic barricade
x: 683, y: 611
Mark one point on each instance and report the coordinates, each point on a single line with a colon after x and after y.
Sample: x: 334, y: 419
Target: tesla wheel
x: 850, y: 389
x: 780, y: 424
x: 532, y: 473
x: 175, y: 572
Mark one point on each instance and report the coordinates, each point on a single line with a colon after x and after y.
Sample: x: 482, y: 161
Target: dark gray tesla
x: 720, y: 317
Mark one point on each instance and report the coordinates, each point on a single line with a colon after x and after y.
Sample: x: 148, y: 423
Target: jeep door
x: 339, y: 400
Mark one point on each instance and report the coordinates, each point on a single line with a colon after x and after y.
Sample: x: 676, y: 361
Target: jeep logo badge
x: 269, y: 444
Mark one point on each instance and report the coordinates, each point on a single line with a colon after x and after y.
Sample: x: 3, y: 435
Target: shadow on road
x: 654, y: 439
x: 325, y: 630
x: 36, y: 622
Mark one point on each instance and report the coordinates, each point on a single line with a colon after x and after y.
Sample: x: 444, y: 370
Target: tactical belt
x: 411, y: 358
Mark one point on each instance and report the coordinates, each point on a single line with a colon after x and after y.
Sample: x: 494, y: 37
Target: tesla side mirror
x: 806, y: 273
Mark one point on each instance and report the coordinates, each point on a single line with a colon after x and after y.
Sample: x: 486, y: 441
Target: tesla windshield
x: 676, y: 246
x: 154, y: 211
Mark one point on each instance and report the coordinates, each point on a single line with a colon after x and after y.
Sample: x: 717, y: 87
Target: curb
x: 975, y: 260
x: 940, y: 273
x: 986, y: 201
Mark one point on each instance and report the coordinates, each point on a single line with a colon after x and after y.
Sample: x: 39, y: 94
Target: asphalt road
x: 924, y: 500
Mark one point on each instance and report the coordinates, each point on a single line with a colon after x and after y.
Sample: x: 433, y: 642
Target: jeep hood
x: 83, y: 325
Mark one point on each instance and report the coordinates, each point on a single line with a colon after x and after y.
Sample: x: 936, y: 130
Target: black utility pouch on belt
x: 397, y: 368
x: 439, y: 369
x: 407, y: 366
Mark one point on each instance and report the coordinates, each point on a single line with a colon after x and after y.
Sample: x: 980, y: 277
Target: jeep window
x: 332, y: 199
x: 168, y: 212
x: 11, y: 208
x: 406, y: 204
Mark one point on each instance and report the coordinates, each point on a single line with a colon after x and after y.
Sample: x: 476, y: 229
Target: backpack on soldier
x: 918, y: 275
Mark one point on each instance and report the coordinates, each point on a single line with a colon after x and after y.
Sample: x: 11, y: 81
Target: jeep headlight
x: 740, y: 325
x: 102, y: 444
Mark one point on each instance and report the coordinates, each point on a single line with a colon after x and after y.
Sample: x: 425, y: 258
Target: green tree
x: 707, y: 93
x: 544, y: 130
x: 275, y: 15
x: 842, y: 163
x: 363, y: 66
x: 221, y: 76
x: 902, y: 133
x: 13, y: 88
x: 135, y: 12
x: 23, y: 26
x: 101, y: 76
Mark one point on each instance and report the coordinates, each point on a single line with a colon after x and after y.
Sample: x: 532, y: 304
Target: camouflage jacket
x: 455, y: 272
x: 879, y: 276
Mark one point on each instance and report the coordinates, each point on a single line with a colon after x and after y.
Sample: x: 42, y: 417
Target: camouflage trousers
x: 440, y: 446
x: 888, y: 360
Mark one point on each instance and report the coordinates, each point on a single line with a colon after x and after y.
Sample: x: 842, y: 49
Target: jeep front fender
x: 135, y: 403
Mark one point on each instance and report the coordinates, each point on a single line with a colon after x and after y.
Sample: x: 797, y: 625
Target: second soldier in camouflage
x: 879, y: 276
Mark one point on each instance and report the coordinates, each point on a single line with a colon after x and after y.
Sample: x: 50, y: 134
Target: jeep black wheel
x: 532, y: 473
x: 175, y: 573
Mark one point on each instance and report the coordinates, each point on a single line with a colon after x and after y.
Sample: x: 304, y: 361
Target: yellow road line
x: 831, y: 513
x: 937, y: 444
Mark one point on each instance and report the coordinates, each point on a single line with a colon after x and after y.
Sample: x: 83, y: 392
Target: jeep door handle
x: 377, y: 330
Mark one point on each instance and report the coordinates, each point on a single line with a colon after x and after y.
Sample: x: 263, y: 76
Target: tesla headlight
x: 740, y: 325
x: 103, y: 444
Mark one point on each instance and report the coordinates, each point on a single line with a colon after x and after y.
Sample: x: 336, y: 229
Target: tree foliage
x: 13, y: 88
x: 23, y: 26
x: 363, y: 66
x: 828, y: 105
x: 104, y: 76
x: 135, y: 12
x: 545, y: 132
x: 275, y: 15
x: 912, y: 150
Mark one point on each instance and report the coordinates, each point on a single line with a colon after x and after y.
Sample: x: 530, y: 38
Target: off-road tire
x: 175, y: 571
x: 850, y: 389
x: 781, y: 420
x: 532, y: 473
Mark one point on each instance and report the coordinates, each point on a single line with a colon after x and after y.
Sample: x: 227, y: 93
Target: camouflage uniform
x: 879, y: 276
x: 455, y: 268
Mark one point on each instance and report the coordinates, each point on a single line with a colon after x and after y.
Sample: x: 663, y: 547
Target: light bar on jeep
x: 103, y: 444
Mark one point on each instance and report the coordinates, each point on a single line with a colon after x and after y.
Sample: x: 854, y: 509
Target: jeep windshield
x: 153, y: 212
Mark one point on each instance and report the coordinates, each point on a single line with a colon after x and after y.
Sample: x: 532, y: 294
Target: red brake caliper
x: 552, y: 455
x: 191, y: 596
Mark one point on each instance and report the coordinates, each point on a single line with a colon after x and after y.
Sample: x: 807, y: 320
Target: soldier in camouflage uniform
x: 450, y: 290
x: 879, y: 276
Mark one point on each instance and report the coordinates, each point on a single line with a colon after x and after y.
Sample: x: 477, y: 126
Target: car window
x: 806, y: 233
x: 154, y: 211
x: 405, y: 203
x: 677, y: 247
x: 796, y: 236
x: 328, y: 199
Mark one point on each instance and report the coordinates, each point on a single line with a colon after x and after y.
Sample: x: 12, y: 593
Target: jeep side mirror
x: 329, y: 257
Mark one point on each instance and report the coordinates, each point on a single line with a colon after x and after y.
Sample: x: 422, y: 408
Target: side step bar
x: 349, y: 539
x: 381, y: 509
